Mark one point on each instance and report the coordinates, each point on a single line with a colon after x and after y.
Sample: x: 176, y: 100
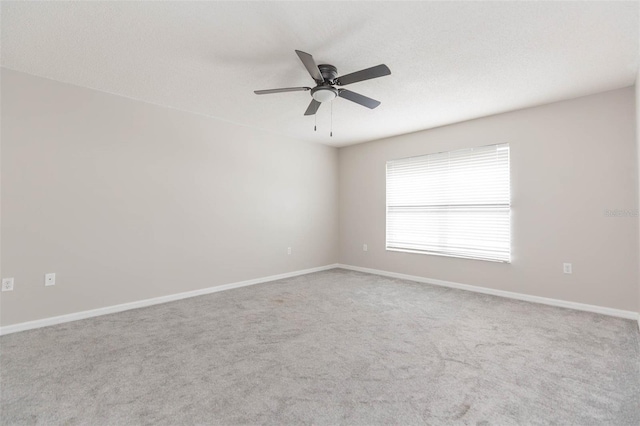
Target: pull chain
x: 331, y: 131
x: 315, y: 122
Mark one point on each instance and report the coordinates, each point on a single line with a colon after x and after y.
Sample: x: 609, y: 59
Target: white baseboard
x: 508, y: 294
x: 179, y: 296
x: 149, y: 302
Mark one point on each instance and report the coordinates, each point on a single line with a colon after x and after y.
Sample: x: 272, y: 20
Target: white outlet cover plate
x: 7, y: 284
x: 49, y: 279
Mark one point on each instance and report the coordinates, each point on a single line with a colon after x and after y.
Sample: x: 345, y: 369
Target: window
x: 451, y: 204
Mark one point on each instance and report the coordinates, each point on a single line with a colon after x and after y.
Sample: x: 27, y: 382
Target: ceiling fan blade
x: 312, y: 108
x: 358, y: 98
x: 310, y: 65
x: 367, y: 74
x: 286, y: 89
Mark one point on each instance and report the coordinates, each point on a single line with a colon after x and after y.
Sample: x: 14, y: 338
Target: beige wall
x: 125, y: 200
x: 637, y: 86
x: 570, y: 161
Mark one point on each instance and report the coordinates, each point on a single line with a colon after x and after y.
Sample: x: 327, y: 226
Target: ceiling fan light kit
x: 324, y: 93
x: 326, y: 79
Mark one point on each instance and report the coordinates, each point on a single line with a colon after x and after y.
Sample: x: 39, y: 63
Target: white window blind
x: 451, y: 203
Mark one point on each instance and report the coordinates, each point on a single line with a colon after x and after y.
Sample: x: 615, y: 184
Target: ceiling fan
x: 326, y: 78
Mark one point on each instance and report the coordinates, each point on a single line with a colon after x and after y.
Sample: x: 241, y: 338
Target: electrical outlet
x: 288, y: 250
x: 50, y: 279
x: 7, y: 284
x: 566, y: 267
x: 365, y: 247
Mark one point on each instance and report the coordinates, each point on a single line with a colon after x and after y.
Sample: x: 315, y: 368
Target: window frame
x: 451, y: 255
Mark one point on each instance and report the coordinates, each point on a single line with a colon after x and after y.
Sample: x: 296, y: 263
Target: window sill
x: 431, y: 253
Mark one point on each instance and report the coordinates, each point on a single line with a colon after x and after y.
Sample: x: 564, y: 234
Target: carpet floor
x: 334, y: 347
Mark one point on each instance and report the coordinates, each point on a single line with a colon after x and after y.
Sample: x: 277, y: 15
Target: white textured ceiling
x: 450, y: 61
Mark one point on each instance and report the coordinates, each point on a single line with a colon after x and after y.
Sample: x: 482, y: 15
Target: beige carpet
x: 335, y: 347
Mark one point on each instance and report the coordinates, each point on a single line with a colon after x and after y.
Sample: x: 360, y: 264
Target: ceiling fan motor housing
x: 329, y: 72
